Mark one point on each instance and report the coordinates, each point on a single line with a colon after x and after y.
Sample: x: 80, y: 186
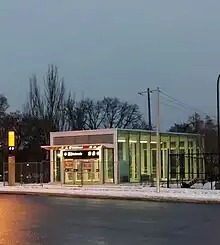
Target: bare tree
x: 13, y: 121
x: 3, y: 104
x: 47, y: 108
x: 95, y: 113
x: 198, y: 125
x: 120, y: 114
x: 75, y: 112
x: 3, y: 108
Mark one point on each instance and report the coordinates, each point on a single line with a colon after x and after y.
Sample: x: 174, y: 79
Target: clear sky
x: 114, y: 48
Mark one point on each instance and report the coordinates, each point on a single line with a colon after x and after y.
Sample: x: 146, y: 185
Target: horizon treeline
x: 56, y: 109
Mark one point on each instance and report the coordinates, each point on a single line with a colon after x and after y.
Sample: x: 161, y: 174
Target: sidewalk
x: 123, y: 192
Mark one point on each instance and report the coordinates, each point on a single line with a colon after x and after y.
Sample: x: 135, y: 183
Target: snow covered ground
x: 129, y: 191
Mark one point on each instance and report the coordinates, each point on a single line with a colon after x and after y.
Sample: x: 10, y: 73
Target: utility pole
x: 147, y: 105
x: 158, y: 163
x: 149, y: 109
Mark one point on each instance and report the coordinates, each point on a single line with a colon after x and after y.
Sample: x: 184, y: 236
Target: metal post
x: 41, y: 173
x: 3, y: 166
x: 36, y: 174
x: 149, y: 109
x: 21, y: 174
x: 218, y: 123
x: 83, y: 169
x: 158, y: 164
x: 168, y: 169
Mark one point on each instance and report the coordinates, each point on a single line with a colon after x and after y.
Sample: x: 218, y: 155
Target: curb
x: 128, y: 198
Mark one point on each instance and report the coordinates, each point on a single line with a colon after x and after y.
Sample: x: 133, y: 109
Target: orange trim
x: 67, y: 147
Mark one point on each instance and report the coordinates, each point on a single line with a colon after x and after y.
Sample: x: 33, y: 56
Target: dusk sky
x: 115, y: 48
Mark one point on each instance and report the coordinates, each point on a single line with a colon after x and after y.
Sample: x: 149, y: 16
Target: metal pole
x: 3, y: 168
x: 149, y: 108
x: 168, y: 168
x: 218, y: 126
x: 147, y: 105
x: 145, y: 108
x: 158, y: 164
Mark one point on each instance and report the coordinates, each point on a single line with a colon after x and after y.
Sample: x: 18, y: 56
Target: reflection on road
x: 28, y: 220
x: 17, y: 220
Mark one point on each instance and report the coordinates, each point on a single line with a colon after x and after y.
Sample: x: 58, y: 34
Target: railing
x: 184, y: 167
x: 27, y: 172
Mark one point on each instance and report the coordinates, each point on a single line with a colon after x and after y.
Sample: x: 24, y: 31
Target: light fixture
x: 132, y: 141
x: 121, y: 141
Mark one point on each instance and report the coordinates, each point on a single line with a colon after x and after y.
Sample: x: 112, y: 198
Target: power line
x: 182, y: 104
x: 175, y: 106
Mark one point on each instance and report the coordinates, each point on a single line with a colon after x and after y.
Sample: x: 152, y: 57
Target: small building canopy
x: 74, y: 147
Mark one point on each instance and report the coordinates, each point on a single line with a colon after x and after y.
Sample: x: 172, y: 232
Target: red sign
x: 87, y: 165
x: 69, y: 164
x: 90, y: 147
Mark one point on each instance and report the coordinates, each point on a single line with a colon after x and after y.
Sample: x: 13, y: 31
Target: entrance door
x: 69, y: 172
x: 82, y: 172
x: 87, y: 172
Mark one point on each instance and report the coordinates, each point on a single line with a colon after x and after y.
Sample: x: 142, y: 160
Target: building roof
x: 112, y: 131
x: 161, y: 132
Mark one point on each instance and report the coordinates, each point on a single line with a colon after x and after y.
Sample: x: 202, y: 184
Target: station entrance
x: 81, y: 164
x: 81, y: 172
x: 81, y: 167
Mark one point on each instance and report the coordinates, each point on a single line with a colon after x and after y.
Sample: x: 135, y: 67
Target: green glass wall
x: 137, y: 155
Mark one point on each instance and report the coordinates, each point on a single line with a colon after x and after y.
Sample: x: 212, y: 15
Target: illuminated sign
x: 71, y: 153
x: 81, y: 154
x: 11, y: 139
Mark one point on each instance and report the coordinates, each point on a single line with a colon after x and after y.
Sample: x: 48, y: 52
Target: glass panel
x: 122, y: 136
x: 181, y: 144
x: 133, y: 163
x: 143, y: 158
x: 192, y: 162
x: 172, y: 144
x: 144, y: 137
x: 108, y: 162
x: 123, y: 156
x: 56, y: 165
x: 154, y: 160
x: 134, y: 150
x: 153, y: 146
x: 69, y: 173
x: 165, y: 161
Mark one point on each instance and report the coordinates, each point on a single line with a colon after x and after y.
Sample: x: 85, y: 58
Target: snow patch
x: 123, y: 191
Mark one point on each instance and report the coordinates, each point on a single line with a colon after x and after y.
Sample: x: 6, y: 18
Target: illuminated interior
x: 137, y: 154
x: 78, y: 165
x: 126, y: 156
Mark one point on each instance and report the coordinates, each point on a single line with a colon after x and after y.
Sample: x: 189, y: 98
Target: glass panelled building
x: 137, y: 155
x: 116, y: 156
